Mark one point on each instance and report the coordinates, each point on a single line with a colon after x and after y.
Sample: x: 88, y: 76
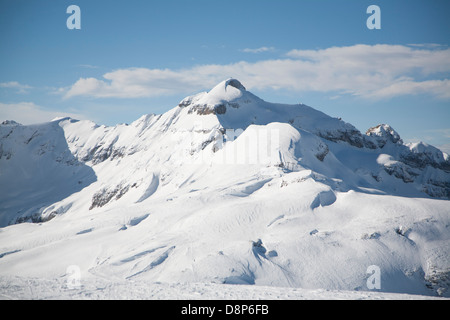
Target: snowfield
x: 225, y: 196
x: 17, y: 288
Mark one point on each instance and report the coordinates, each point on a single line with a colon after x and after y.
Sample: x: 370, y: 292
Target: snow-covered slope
x: 225, y: 188
x: 107, y: 289
x: 37, y: 169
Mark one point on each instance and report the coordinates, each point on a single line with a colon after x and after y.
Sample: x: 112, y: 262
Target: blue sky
x: 136, y: 57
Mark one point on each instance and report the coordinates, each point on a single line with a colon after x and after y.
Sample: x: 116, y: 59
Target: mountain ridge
x: 184, y: 196
x: 207, y: 116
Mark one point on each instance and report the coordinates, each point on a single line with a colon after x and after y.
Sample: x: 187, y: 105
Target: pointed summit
x: 225, y: 85
x: 384, y: 133
x: 228, y: 93
x: 234, y: 83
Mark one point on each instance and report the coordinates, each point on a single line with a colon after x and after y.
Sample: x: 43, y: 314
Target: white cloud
x: 438, y: 88
x: 427, y: 45
x: 373, y: 72
x: 21, y: 88
x: 30, y: 113
x: 258, y: 50
x: 141, y: 82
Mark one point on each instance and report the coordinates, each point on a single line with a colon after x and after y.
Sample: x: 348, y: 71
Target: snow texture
x: 223, y: 196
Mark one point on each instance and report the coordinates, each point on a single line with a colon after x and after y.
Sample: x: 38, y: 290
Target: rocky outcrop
x: 420, y: 155
x: 383, y: 134
x: 352, y: 136
x: 106, y: 195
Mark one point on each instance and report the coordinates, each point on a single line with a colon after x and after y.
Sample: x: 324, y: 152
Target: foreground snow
x: 103, y: 289
x: 228, y: 239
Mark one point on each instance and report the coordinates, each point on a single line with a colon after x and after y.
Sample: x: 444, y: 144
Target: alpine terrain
x: 221, y: 191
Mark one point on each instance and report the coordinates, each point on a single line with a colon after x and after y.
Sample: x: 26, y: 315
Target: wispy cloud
x: 372, y: 72
x: 258, y: 50
x: 445, y: 148
x: 21, y: 88
x: 443, y: 133
x: 30, y: 113
x: 427, y: 45
x: 88, y: 66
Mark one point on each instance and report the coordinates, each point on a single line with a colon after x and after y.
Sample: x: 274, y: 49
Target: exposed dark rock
x: 383, y: 134
x: 204, y: 109
x: 322, y: 152
x: 101, y: 153
x: 220, y: 109
x: 352, y: 137
x: 426, y: 155
x: 401, y: 171
x: 234, y: 83
x: 105, y: 195
x: 10, y: 123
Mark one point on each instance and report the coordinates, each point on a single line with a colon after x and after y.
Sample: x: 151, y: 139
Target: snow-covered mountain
x: 225, y: 188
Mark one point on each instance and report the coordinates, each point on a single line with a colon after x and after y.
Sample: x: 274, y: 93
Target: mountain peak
x: 228, y: 93
x: 224, y: 87
x: 10, y: 123
x: 241, y: 183
x: 384, y: 133
x: 234, y: 83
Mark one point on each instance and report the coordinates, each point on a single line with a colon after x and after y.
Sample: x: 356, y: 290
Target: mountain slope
x: 37, y: 169
x: 226, y: 188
